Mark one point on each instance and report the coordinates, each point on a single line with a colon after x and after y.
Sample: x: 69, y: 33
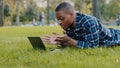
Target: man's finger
x: 59, y: 39
x: 63, y: 32
x: 54, y: 33
x: 58, y: 43
x: 47, y: 36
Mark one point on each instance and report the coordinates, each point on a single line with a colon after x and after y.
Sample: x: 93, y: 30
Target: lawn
x: 17, y: 52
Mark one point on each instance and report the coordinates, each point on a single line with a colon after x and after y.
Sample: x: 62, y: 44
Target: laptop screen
x: 37, y: 43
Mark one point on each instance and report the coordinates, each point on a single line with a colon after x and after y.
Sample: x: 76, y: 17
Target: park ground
x: 17, y: 52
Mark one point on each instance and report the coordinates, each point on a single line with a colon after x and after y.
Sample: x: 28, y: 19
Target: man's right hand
x: 50, y: 40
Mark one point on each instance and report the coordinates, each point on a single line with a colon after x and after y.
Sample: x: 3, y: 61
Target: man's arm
x: 80, y: 44
x: 91, y: 36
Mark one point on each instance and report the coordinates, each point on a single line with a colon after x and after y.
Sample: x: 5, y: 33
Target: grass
x: 17, y: 52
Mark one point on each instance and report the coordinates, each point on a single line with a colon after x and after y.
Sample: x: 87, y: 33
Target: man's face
x: 64, y: 19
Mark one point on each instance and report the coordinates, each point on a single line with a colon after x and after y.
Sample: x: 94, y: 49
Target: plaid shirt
x: 89, y: 32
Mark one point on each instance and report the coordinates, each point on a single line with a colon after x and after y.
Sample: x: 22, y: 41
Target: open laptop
x: 37, y: 43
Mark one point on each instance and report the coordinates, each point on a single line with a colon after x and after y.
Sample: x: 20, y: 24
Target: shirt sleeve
x: 91, y: 35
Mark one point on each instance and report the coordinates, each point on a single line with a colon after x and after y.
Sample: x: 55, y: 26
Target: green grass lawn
x: 17, y: 52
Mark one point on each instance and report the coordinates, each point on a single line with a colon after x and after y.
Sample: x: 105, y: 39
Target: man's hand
x: 50, y: 40
x: 60, y: 39
x: 65, y: 40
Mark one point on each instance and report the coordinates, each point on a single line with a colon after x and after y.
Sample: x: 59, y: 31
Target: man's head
x: 65, y: 15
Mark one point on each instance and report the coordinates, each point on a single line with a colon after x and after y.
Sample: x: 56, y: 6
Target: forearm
x: 70, y: 42
x: 80, y: 44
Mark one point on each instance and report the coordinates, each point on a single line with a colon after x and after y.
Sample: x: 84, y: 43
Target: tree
x: 84, y: 6
x: 79, y: 5
x: 48, y: 8
x: 1, y: 13
x: 6, y: 10
x: 110, y: 10
x: 10, y: 11
x: 31, y: 11
x: 114, y: 8
x: 17, y: 12
x: 96, y: 8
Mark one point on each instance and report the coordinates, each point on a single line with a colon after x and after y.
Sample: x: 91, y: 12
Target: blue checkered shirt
x: 90, y: 33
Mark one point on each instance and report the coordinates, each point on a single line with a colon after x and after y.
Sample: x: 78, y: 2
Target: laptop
x: 37, y: 43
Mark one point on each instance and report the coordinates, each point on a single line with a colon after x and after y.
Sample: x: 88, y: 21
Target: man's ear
x: 72, y: 14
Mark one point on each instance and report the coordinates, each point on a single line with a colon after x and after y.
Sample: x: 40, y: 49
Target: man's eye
x: 61, y: 18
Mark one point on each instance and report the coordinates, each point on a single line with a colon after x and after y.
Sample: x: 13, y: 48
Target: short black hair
x: 64, y: 6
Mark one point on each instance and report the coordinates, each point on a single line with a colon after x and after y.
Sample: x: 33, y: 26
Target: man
x: 41, y: 19
x: 118, y: 20
x: 82, y: 31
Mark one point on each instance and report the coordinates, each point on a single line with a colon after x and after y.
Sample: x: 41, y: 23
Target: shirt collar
x: 77, y: 24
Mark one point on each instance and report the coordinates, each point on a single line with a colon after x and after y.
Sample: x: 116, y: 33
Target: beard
x: 72, y: 26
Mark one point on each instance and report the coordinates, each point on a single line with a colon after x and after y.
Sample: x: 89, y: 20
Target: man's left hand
x: 65, y: 39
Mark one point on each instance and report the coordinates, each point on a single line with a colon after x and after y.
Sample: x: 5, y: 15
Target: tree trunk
x: 1, y: 13
x: 48, y: 8
x: 96, y: 8
x: 17, y: 13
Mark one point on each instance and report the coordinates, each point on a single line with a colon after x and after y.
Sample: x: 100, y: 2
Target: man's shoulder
x: 83, y: 17
x: 89, y: 21
x: 86, y: 20
x: 78, y: 14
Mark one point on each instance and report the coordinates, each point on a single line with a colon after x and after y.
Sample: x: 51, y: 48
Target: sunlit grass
x: 17, y: 52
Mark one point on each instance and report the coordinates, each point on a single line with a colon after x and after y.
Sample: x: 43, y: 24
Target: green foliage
x: 25, y: 14
x: 114, y: 8
x: 110, y: 10
x: 17, y: 52
x: 54, y: 3
x: 22, y: 18
x: 84, y: 6
x: 30, y: 13
x: 104, y: 12
x: 6, y: 10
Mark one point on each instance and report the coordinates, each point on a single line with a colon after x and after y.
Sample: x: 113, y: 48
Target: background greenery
x: 107, y: 10
x: 17, y: 52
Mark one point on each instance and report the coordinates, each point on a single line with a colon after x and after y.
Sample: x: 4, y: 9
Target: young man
x: 82, y: 31
x: 118, y: 20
